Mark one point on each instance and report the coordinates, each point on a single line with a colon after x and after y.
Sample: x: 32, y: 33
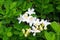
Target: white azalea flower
x: 34, y: 31
x: 45, y: 23
x: 31, y: 19
x: 20, y: 18
x: 36, y: 23
x: 30, y: 11
x: 25, y: 17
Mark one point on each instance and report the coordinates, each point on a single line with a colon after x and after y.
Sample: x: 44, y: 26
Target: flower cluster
x: 35, y: 24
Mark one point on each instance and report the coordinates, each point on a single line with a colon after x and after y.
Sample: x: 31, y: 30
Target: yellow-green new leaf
x: 55, y: 26
x: 50, y: 36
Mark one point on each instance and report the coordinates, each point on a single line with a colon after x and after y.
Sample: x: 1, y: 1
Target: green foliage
x: 10, y: 29
x: 58, y: 7
x: 55, y: 26
x: 50, y: 36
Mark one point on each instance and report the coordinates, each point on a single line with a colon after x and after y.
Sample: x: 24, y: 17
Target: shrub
x: 10, y: 10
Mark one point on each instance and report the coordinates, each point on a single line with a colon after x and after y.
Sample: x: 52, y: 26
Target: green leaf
x: 32, y: 38
x: 16, y: 32
x: 1, y: 2
x: 5, y: 37
x: 12, y: 5
x: 44, y: 6
x: 21, y: 34
x: 24, y: 6
x: 19, y: 2
x: 57, y: 36
x: 1, y: 12
x: 49, y: 36
x: 8, y: 29
x: 46, y: 1
x: 43, y: 17
x: 29, y: 5
x: 55, y: 26
x: 26, y: 26
x: 58, y: 7
x: 7, y: 4
x: 18, y: 12
x: 18, y: 26
x: 50, y: 8
x: 0, y: 24
x: 9, y: 34
x: 1, y: 31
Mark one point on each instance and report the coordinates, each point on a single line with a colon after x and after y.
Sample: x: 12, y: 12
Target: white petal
x: 32, y: 9
x: 42, y: 20
x: 45, y: 28
x: 33, y: 28
x: 34, y: 34
x: 31, y: 31
x: 30, y: 24
x: 37, y: 31
x: 29, y: 9
x: 19, y: 22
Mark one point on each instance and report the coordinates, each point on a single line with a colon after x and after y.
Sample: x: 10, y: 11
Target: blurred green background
x: 10, y: 29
